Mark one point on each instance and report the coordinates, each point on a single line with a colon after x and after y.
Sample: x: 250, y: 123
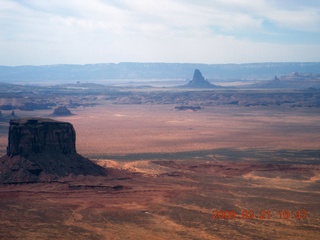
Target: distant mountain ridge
x: 294, y: 80
x: 131, y: 70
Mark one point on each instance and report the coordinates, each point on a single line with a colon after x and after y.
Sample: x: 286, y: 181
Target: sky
x: 40, y: 32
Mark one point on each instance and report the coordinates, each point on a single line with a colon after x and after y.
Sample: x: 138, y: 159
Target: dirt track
x: 175, y: 201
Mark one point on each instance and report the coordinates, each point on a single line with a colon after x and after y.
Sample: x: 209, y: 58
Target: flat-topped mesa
x: 38, y: 135
x: 43, y: 150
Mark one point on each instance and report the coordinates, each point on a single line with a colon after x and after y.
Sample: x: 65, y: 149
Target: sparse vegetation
x: 168, y: 170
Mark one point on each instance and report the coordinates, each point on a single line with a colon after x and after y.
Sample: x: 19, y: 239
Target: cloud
x: 211, y: 31
x: 307, y: 20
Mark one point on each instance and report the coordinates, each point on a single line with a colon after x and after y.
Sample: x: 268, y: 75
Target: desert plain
x: 222, y: 172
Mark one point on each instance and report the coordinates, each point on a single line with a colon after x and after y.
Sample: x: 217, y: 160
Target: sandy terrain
x: 123, y: 129
x: 176, y: 201
x: 156, y: 129
x: 169, y: 171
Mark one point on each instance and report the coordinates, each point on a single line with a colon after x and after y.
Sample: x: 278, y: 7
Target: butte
x: 43, y: 150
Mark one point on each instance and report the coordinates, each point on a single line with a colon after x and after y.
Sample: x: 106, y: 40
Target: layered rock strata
x: 38, y: 135
x: 43, y: 150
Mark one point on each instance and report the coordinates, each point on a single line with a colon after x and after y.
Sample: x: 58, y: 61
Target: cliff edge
x: 42, y: 150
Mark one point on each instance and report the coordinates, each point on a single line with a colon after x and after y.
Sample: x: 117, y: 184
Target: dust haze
x: 196, y: 159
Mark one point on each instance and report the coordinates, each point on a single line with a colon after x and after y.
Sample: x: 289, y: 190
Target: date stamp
x: 262, y: 214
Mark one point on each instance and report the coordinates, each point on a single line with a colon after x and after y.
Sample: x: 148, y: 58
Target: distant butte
x: 62, y: 111
x: 42, y: 150
x: 198, y: 81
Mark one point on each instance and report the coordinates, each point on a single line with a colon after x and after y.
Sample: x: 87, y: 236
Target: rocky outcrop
x: 198, y: 81
x: 183, y: 108
x: 38, y: 135
x: 62, y: 111
x: 42, y: 150
x: 197, y: 76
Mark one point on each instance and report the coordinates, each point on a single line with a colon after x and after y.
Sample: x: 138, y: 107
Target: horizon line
x: 191, y: 63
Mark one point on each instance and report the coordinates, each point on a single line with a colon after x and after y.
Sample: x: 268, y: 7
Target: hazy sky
x: 40, y: 32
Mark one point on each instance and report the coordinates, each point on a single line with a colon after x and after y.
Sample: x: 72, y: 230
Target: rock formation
x: 198, y: 81
x: 183, y: 107
x: 62, y: 111
x: 40, y: 135
x: 41, y: 150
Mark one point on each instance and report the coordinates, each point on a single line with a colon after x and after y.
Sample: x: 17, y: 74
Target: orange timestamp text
x: 262, y: 214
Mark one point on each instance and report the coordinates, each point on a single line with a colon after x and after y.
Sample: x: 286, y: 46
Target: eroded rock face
x: 198, y: 81
x: 38, y: 135
x: 43, y: 150
x: 197, y: 76
x: 62, y: 111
